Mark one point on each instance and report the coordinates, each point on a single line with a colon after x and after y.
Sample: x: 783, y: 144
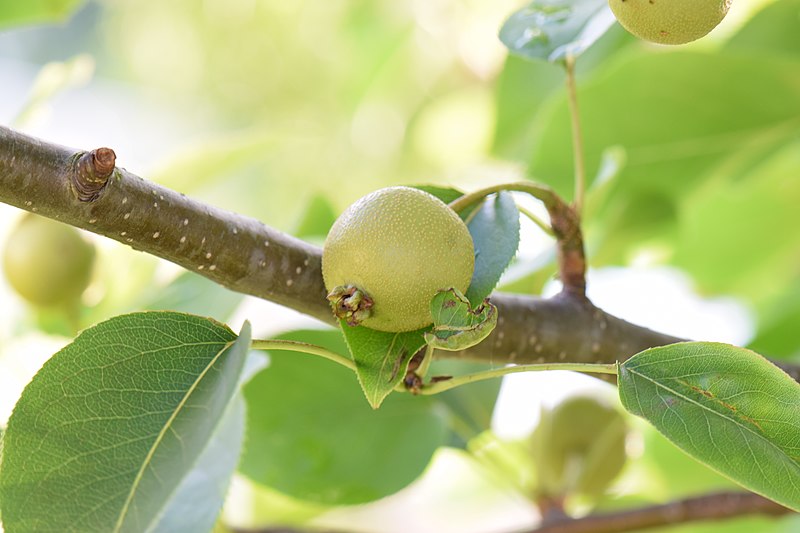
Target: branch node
x: 91, y: 172
x: 566, y: 224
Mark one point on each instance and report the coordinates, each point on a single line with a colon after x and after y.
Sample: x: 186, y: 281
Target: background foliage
x: 288, y: 111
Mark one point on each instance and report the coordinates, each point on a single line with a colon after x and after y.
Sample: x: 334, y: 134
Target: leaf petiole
x: 533, y: 217
x: 304, y: 347
x: 440, y: 386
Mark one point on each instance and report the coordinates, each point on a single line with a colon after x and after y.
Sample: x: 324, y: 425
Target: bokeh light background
x: 257, y: 106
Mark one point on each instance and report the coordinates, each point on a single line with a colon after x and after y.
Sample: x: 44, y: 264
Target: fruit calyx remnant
x: 350, y: 304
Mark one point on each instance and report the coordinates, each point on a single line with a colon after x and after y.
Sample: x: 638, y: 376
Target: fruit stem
x: 304, y: 347
x: 565, y: 225
x: 440, y: 386
x: 542, y: 193
x: 577, y: 135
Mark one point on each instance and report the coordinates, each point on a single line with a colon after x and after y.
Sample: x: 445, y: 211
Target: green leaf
x: 13, y: 13
x: 772, y: 30
x: 1, y: 473
x: 311, y: 435
x: 779, y: 323
x: 229, y: 157
x: 53, y: 78
x: 495, y: 235
x: 456, y: 326
x: 737, y: 242
x: 524, y: 88
x: 672, y: 473
x: 469, y: 408
x: 317, y: 218
x: 445, y: 194
x: 682, y: 139
x: 192, y: 293
x: 108, y: 428
x: 508, y: 461
x: 381, y: 358
x: 725, y: 406
x: 198, y: 499
x: 554, y: 29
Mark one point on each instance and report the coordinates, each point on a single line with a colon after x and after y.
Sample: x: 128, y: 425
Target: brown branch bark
x: 718, y: 506
x: 247, y: 256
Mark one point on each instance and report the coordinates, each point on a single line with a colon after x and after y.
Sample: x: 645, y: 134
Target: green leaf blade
x: 495, y: 235
x: 198, y: 499
x: 456, y: 326
x: 108, y: 428
x: 552, y: 30
x: 311, y: 435
x: 381, y: 358
x: 727, y: 407
x: 36, y: 11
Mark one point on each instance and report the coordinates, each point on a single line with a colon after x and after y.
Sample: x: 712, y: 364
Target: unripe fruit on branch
x: 48, y: 263
x: 669, y: 21
x: 578, y: 447
x: 388, y: 254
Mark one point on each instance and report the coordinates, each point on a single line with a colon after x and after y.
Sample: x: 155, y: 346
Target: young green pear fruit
x: 669, y: 21
x: 389, y: 253
x: 48, y: 263
x: 579, y: 447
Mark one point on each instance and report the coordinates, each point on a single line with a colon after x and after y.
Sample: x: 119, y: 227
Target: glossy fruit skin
x: 398, y: 245
x: 579, y: 447
x: 48, y: 263
x: 669, y: 21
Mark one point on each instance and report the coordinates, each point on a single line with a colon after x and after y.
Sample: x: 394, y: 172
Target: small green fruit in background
x: 48, y: 263
x: 395, y: 248
x: 579, y: 447
x: 669, y: 21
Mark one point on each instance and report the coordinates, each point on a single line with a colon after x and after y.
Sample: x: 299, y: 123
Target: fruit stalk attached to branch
x: 565, y: 224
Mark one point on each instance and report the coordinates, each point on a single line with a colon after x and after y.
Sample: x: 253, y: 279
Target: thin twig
x: 441, y: 385
x: 719, y: 506
x: 565, y: 225
x: 577, y: 135
x: 533, y: 217
x: 255, y: 259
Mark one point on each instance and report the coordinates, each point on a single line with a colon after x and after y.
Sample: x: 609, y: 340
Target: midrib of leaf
x: 386, y: 357
x: 140, y: 474
x: 721, y: 415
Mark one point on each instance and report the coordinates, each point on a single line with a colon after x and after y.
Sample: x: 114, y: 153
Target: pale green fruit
x: 669, y: 21
x: 579, y: 447
x: 399, y: 246
x: 48, y: 263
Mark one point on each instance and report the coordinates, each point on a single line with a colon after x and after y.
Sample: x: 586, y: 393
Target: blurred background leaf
x: 288, y: 112
x: 312, y: 435
x: 36, y: 11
